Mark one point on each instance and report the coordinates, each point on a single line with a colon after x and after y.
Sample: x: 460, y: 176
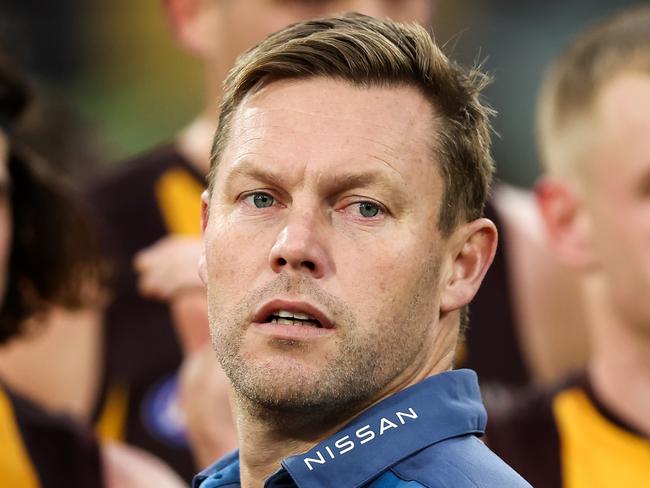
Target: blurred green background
x: 115, y: 82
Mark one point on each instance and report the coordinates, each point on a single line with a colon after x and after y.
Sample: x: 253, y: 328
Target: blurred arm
x: 205, y: 399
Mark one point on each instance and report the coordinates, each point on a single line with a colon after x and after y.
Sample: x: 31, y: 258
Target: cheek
x: 624, y: 240
x: 374, y: 272
x: 221, y: 257
x: 634, y: 251
x: 235, y: 253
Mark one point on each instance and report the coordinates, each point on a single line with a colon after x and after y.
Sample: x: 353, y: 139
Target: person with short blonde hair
x: 567, y: 121
x: 594, y: 120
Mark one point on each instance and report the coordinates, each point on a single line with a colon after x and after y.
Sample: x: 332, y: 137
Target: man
x: 155, y: 197
x: 594, y: 120
x: 46, y: 246
x: 342, y: 239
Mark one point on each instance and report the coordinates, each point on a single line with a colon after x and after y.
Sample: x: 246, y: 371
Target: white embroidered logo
x: 363, y: 435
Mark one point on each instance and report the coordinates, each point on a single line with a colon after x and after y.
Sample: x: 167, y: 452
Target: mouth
x: 297, y: 314
x: 285, y: 317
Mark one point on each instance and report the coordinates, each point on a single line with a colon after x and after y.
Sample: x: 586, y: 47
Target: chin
x: 287, y: 386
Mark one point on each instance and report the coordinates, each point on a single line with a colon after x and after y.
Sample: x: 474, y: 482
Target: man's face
x: 322, y: 247
x: 233, y: 26
x: 620, y: 195
x: 5, y: 214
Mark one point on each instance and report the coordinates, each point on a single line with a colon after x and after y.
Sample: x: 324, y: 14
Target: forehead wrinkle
x: 380, y: 159
x: 384, y: 151
x: 400, y: 151
x: 253, y: 112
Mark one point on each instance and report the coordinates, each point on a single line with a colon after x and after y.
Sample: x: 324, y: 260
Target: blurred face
x: 620, y: 196
x: 230, y: 27
x: 5, y: 214
x: 322, y: 252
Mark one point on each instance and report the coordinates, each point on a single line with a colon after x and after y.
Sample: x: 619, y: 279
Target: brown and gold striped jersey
x: 566, y: 438
x: 42, y: 450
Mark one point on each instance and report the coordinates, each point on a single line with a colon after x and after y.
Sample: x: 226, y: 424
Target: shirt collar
x: 441, y: 407
x: 224, y: 472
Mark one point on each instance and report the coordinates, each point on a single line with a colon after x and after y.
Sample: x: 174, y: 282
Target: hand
x: 169, y: 267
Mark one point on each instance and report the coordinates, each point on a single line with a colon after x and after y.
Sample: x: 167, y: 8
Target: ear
x: 472, y: 250
x: 566, y: 220
x: 188, y: 23
x: 205, y: 214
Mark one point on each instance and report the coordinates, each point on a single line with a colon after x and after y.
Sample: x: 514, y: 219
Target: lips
x: 292, y: 313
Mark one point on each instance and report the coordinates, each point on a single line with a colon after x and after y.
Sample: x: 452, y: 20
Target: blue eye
x: 261, y: 200
x: 369, y: 209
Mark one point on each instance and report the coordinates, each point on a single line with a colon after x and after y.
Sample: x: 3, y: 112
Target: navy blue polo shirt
x: 422, y: 436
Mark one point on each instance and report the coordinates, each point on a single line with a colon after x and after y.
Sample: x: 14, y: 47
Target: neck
x: 619, y: 367
x: 267, y: 437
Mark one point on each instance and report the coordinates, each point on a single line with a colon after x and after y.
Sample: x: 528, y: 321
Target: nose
x: 300, y: 247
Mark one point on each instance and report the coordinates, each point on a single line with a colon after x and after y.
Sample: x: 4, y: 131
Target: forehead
x: 623, y: 103
x: 330, y: 122
x: 623, y: 115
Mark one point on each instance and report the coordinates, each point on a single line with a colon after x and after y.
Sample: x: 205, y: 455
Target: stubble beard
x: 363, y: 363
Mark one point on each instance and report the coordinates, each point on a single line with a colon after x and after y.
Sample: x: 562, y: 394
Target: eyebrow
x: 346, y: 181
x: 248, y: 169
x: 334, y: 184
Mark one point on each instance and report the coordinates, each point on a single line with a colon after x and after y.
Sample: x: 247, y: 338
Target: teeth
x: 285, y: 317
x: 285, y: 321
x: 292, y: 315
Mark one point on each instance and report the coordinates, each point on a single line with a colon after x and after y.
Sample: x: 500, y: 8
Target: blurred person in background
x: 38, y: 268
x: 49, y: 259
x: 59, y: 383
x: 594, y: 119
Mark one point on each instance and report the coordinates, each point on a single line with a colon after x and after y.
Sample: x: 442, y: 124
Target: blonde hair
x: 573, y: 83
x: 370, y: 52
